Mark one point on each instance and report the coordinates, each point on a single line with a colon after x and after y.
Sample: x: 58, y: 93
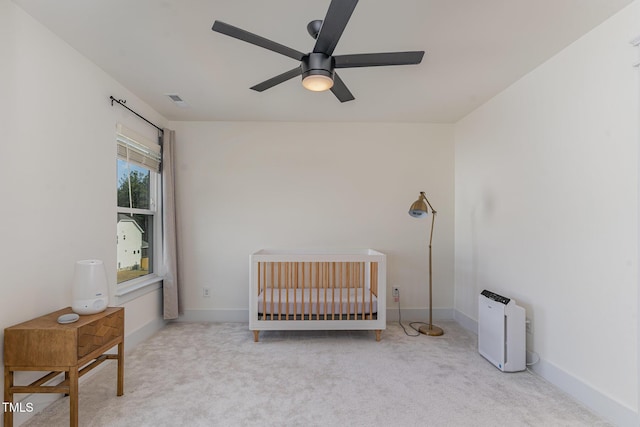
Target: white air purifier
x: 90, y: 289
x: 501, y: 332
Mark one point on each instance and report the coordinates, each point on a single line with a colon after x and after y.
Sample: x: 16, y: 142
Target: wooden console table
x: 43, y: 344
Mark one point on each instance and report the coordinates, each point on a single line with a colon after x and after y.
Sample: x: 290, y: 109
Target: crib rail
x: 317, y: 290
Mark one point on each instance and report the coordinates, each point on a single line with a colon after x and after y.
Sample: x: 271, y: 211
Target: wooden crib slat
x: 272, y: 286
x: 302, y: 307
x: 356, y: 285
x: 345, y: 286
x: 364, y: 290
x: 349, y: 285
x: 295, y: 290
x: 341, y: 286
x: 370, y: 291
x: 264, y: 292
x: 374, y: 278
x: 329, y: 286
x: 318, y: 286
x: 310, y: 287
x: 355, y: 288
x: 287, y: 267
x: 279, y: 291
x: 333, y: 291
x: 361, y: 274
x: 324, y: 286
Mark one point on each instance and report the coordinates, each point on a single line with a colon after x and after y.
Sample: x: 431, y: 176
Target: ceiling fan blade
x: 333, y: 25
x: 277, y: 79
x: 248, y: 37
x: 378, y: 59
x: 340, y: 90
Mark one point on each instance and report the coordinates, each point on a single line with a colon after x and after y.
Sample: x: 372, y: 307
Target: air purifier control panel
x: 495, y: 297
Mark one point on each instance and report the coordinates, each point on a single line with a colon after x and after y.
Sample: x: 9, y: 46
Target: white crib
x: 317, y: 290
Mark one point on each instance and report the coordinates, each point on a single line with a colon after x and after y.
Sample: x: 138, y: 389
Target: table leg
x: 8, y: 396
x: 66, y: 378
x: 73, y: 396
x: 120, y: 390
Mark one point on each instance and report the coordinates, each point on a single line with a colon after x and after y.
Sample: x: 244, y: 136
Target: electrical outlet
x: 395, y: 291
x: 529, y: 326
x: 206, y: 292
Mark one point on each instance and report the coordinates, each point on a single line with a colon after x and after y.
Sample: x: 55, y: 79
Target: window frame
x: 138, y: 286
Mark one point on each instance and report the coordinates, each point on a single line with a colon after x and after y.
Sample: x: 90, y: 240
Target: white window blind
x: 135, y: 148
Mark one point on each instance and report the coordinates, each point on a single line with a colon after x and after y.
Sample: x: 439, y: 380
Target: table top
x: 50, y: 321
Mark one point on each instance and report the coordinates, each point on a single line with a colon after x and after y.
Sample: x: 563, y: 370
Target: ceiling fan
x: 318, y: 67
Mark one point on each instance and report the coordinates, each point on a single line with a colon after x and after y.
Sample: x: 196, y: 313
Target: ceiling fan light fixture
x: 317, y: 82
x: 317, y: 72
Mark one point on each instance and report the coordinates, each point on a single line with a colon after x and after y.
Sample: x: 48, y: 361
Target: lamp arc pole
x: 420, y: 209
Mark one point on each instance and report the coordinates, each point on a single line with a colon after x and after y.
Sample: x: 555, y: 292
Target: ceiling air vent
x: 177, y: 100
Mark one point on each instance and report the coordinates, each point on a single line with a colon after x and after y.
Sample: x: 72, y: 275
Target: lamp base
x: 431, y: 330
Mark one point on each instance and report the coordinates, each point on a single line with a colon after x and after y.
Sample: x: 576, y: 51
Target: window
x: 138, y: 211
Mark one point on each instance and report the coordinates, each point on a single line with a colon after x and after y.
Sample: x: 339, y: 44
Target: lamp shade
x: 418, y: 208
x: 90, y: 288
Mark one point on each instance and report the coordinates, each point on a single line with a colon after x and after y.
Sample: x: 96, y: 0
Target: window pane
x: 139, y: 180
x: 135, y: 246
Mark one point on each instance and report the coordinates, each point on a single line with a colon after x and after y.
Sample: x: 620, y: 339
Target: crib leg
x: 378, y: 334
x: 255, y: 336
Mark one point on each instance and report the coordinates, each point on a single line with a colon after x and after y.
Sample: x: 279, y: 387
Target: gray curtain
x: 172, y: 307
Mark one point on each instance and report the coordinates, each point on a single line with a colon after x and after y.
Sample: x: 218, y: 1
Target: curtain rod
x: 123, y: 101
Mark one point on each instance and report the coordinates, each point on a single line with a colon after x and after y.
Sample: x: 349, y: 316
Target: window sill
x: 136, y: 288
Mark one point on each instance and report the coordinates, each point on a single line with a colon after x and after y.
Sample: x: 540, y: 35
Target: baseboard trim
x: 418, y: 314
x: 608, y: 408
x: 140, y: 335
x: 216, y: 315
x: 598, y: 402
x: 465, y: 321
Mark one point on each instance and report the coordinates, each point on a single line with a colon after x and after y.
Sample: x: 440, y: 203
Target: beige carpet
x: 201, y: 374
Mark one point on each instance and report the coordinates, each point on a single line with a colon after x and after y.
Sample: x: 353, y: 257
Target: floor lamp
x: 419, y: 210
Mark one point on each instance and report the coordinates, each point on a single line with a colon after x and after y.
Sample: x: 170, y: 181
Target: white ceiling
x: 474, y: 49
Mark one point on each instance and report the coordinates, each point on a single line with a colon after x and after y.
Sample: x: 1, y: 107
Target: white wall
x: 58, y: 174
x: 547, y: 211
x: 246, y: 186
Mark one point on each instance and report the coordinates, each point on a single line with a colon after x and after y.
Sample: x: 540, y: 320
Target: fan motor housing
x: 317, y: 63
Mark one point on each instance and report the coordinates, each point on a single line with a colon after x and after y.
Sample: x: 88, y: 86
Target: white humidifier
x: 90, y: 289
